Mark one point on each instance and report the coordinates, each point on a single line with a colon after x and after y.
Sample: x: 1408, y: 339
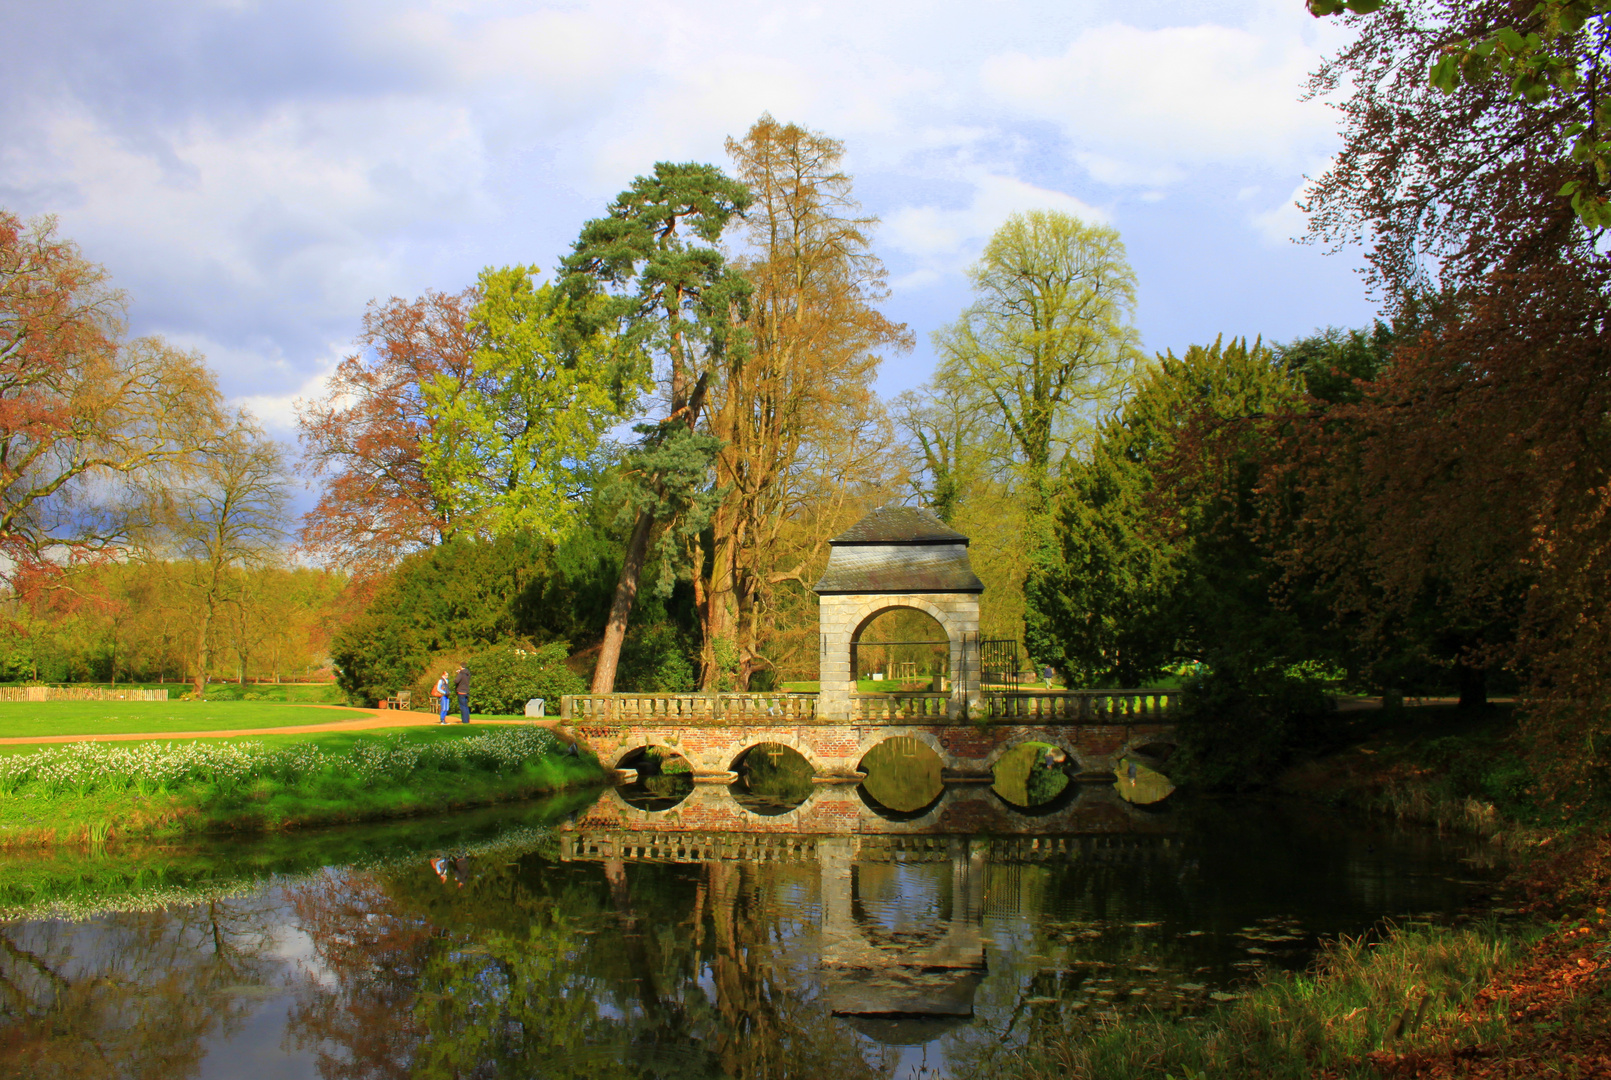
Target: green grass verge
x: 37, y: 813
x: 80, y: 881
x: 33, y: 719
x: 1402, y: 991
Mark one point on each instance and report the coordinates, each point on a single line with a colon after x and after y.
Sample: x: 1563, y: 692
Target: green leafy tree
x: 655, y: 271
x: 1048, y: 340
x: 467, y: 595
x: 510, y: 437
x: 1157, y: 562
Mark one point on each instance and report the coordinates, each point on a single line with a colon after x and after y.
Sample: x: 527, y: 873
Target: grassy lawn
x: 357, y: 775
x: 24, y: 719
x: 331, y: 742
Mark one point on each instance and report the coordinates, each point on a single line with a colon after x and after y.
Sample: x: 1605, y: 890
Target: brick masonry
x: 837, y: 750
x: 710, y: 823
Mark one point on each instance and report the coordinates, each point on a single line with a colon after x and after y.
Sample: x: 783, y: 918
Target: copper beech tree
x: 1482, y: 460
x: 88, y: 419
x: 364, y: 435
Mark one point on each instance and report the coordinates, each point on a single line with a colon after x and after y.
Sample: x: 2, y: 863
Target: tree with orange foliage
x: 87, y: 420
x: 796, y: 412
x: 365, y: 433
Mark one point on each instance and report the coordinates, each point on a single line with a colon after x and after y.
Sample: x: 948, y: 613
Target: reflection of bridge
x: 711, y: 825
x: 902, y: 949
x: 895, y: 558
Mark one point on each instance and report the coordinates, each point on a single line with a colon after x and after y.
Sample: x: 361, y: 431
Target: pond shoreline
x: 93, y: 793
x: 1518, y: 987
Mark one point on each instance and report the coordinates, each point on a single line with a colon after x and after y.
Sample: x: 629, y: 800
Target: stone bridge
x: 895, y: 558
x: 714, y: 732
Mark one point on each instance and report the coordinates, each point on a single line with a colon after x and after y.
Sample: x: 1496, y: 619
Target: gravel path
x: 374, y: 718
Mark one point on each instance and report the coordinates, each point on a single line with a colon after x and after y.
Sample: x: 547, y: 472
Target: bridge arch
x: 1063, y: 738
x: 735, y: 753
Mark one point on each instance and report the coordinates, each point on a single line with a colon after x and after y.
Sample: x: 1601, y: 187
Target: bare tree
x: 227, y: 516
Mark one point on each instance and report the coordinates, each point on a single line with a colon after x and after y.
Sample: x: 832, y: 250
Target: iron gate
x: 998, y: 665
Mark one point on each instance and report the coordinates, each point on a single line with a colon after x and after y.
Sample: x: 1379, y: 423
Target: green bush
x: 504, y: 677
x: 466, y: 595
x: 656, y: 659
x: 1241, y: 726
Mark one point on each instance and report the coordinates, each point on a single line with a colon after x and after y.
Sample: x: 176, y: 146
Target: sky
x: 253, y: 174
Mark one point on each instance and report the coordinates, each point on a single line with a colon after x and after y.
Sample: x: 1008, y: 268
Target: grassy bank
x: 33, y: 720
x: 1523, y: 996
x: 99, y: 791
x: 1438, y: 765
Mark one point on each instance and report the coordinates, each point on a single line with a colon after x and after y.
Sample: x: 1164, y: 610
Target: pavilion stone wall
x: 841, y: 618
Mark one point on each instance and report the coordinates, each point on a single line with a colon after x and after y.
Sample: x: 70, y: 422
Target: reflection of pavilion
x: 902, y: 900
x: 897, y: 967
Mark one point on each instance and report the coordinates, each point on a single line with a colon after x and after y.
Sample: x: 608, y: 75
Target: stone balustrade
x: 898, y: 707
x: 1065, y: 705
x: 697, y: 709
x: 728, y: 710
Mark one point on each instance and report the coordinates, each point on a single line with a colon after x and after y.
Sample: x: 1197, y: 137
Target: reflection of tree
x: 374, y: 955
x: 129, y: 995
x: 772, y: 1026
x: 526, y: 972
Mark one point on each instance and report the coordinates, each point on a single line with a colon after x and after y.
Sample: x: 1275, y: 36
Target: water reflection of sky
x: 679, y: 966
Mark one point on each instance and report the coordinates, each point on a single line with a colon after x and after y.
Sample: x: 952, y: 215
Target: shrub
x: 505, y: 677
x: 656, y: 659
x: 1241, y: 726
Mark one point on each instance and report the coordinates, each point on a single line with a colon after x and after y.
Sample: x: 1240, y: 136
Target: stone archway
x: 897, y: 556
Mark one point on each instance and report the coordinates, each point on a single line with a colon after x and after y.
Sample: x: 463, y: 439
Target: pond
x: 704, y: 936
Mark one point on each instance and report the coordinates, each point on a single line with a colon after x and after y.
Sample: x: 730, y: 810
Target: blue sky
x: 254, y: 173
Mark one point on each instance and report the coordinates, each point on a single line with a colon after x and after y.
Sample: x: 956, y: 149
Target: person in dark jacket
x: 461, y: 686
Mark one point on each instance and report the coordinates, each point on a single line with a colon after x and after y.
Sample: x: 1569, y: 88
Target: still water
x: 591, y: 937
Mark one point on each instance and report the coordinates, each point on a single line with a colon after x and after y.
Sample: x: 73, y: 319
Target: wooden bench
x: 399, y: 700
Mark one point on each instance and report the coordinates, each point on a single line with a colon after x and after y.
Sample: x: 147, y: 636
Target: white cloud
x: 1137, y: 103
x: 928, y: 232
x: 1284, y: 222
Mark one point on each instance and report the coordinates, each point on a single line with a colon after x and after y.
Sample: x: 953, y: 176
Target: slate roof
x: 900, y: 525
x: 899, y: 549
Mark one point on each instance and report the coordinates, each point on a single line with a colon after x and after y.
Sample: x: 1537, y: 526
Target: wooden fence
x: 78, y: 693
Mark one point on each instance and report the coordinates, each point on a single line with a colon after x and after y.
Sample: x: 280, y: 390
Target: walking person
x: 461, y: 686
x: 443, y: 693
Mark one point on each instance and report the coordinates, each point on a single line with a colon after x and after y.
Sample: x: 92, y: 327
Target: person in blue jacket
x: 443, y: 692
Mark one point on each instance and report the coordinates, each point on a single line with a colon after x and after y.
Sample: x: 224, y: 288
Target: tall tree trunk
x: 717, y: 610
x: 1473, y: 683
x: 626, y: 594
x: 202, y: 656
x: 626, y: 589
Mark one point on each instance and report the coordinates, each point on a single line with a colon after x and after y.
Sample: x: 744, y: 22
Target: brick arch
x: 794, y: 742
x: 659, y: 742
x: 1063, y: 740
x: 930, y: 739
